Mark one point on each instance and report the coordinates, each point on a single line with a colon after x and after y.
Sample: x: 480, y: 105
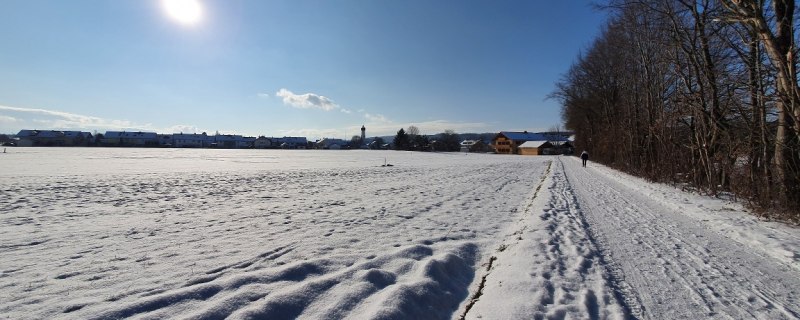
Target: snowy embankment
x: 113, y: 233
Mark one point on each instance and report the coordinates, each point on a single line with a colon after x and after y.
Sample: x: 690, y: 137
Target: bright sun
x: 186, y: 12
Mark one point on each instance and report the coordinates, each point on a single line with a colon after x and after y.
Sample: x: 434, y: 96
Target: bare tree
x: 776, y: 34
x: 412, y: 131
x: 701, y: 93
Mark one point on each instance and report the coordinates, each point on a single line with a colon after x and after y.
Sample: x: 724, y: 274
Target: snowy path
x: 597, y: 244
x: 550, y: 266
x: 674, y: 265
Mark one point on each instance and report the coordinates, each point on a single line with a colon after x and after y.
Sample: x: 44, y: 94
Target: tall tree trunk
x: 779, y: 46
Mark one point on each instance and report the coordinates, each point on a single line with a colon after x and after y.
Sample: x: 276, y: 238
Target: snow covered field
x: 92, y: 233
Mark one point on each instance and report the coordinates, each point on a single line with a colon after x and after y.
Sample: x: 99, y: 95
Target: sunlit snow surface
x: 91, y: 233
x: 109, y: 233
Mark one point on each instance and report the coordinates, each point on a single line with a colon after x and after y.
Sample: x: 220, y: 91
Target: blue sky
x: 314, y: 68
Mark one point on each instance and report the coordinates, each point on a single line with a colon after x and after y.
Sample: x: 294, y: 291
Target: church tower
x: 363, y: 134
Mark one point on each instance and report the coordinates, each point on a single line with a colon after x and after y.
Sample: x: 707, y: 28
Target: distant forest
x: 702, y: 94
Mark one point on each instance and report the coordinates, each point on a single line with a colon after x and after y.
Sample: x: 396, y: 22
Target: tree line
x: 701, y: 93
x: 411, y: 140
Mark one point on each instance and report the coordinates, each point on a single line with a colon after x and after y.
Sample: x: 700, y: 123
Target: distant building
x: 247, y: 143
x: 536, y: 148
x: 226, y: 141
x: 262, y: 142
x: 509, y: 142
x: 291, y: 142
x: 165, y: 140
x: 130, y: 139
x: 328, y: 143
x: 152, y: 139
x: 377, y: 145
x: 473, y: 146
x: 53, y: 138
x: 191, y: 140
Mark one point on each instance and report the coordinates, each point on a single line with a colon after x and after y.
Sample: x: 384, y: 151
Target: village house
x: 510, y: 142
x: 190, y: 140
x: 165, y: 140
x: 246, y: 143
x: 130, y: 139
x: 333, y: 144
x: 226, y: 141
x: 292, y: 142
x: 79, y: 138
x: 262, y: 142
x: 536, y: 148
x: 36, y: 138
x: 377, y: 145
x: 473, y: 146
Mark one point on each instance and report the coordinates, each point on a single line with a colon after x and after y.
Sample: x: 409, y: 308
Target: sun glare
x: 186, y: 12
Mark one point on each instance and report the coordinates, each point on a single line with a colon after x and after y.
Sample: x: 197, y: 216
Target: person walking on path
x: 584, y: 157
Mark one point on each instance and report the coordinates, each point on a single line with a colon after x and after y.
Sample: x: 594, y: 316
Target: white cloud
x: 306, y: 100
x: 263, y: 95
x: 181, y: 128
x: 376, y: 118
x: 347, y: 111
x: 7, y: 119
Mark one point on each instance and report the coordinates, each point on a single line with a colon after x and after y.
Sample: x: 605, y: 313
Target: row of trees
x: 698, y: 92
x: 412, y: 140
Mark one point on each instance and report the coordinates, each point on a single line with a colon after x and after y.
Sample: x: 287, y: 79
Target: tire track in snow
x: 553, y: 269
x: 481, y: 286
x: 675, y: 267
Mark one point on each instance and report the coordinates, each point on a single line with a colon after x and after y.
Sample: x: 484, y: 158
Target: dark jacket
x: 585, y: 155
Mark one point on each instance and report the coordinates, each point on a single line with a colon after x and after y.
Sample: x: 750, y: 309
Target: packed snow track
x: 598, y: 244
x: 674, y: 261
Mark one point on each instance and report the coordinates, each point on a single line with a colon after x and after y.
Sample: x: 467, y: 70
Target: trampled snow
x: 91, y: 233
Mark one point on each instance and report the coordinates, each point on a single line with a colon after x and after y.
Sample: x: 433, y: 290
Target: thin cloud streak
x: 70, y: 120
x: 7, y: 119
x: 376, y: 124
x: 37, y: 118
x: 376, y: 118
